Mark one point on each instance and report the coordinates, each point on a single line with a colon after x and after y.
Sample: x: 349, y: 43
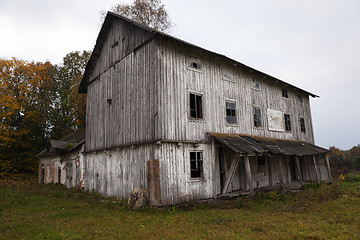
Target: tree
x: 69, y: 107
x: 27, y: 91
x: 148, y: 12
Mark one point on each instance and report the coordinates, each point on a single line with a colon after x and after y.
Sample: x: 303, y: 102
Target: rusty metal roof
x: 255, y: 145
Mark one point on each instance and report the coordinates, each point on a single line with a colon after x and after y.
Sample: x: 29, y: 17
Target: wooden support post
x: 269, y: 170
x: 229, y: 178
x: 248, y: 176
x: 298, y: 170
x: 316, y: 170
x: 281, y: 174
x: 328, y: 166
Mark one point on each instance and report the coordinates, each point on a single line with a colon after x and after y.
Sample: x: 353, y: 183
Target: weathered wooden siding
x: 121, y: 40
x: 177, y: 81
x: 118, y: 171
x: 175, y: 182
x: 73, y: 177
x: 121, y: 103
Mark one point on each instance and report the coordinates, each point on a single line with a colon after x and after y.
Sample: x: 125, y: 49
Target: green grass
x: 31, y: 211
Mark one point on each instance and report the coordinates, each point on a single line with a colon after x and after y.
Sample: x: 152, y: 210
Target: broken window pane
x: 257, y: 116
x: 195, y: 105
x: 299, y: 99
x: 287, y: 122
x: 302, y: 125
x: 284, y: 93
x: 230, y: 112
x: 196, y: 165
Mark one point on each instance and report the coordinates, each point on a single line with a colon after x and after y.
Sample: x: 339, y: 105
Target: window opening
x: 255, y: 84
x: 287, y: 122
x: 299, y: 99
x: 196, y: 106
x: 302, y: 125
x: 196, y: 165
x: 230, y: 112
x: 284, y: 93
x: 257, y: 116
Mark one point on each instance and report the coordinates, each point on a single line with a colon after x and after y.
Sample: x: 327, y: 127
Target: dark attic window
x: 196, y: 165
x: 255, y: 83
x: 284, y: 93
x: 195, y: 65
x: 196, y: 106
x: 302, y: 125
x: 287, y: 122
x: 299, y: 99
x: 257, y: 116
x: 230, y: 112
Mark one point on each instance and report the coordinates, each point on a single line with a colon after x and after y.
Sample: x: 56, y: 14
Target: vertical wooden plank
x: 281, y: 173
x: 316, y: 169
x: 328, y: 166
x: 298, y: 170
x: 233, y: 167
x: 248, y: 176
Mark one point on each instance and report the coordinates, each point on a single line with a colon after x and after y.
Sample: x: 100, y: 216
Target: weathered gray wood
x: 281, y: 173
x: 153, y: 179
x: 316, y: 170
x: 328, y: 166
x: 269, y: 170
x: 298, y: 170
x: 229, y: 177
x: 248, y: 176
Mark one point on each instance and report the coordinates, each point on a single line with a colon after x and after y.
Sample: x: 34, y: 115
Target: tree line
x: 344, y: 161
x: 38, y: 101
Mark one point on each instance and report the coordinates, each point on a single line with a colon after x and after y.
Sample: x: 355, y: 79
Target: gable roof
x: 110, y: 17
x: 65, y: 144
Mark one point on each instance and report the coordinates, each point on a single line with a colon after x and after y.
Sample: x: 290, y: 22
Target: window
x: 284, y: 93
x: 196, y: 106
x: 257, y: 116
x: 299, y: 99
x: 287, y: 122
x: 302, y: 125
x: 194, y: 63
x: 196, y: 165
x: 255, y: 83
x: 230, y: 112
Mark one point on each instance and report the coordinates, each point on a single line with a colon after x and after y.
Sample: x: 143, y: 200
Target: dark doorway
x: 292, y: 168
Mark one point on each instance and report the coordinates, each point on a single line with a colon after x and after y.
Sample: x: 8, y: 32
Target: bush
x: 352, y: 177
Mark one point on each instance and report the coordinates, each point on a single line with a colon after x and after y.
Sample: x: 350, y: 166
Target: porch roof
x: 256, y: 145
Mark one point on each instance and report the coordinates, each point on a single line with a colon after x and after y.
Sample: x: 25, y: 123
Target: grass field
x: 31, y: 211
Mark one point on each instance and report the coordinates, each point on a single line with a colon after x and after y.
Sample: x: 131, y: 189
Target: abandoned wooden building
x: 63, y: 161
x: 186, y: 123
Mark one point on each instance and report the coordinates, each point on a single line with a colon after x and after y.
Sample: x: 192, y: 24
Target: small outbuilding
x: 63, y: 161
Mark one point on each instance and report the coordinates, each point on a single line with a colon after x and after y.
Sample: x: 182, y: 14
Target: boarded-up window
x: 287, y: 122
x: 196, y: 165
x: 196, y: 106
x: 302, y: 125
x: 194, y: 63
x: 284, y: 93
x: 257, y: 116
x: 275, y: 120
x: 230, y: 112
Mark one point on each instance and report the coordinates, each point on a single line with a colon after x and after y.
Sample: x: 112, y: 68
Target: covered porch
x: 250, y: 163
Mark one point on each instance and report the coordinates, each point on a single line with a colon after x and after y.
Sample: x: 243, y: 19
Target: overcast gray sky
x: 312, y: 44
